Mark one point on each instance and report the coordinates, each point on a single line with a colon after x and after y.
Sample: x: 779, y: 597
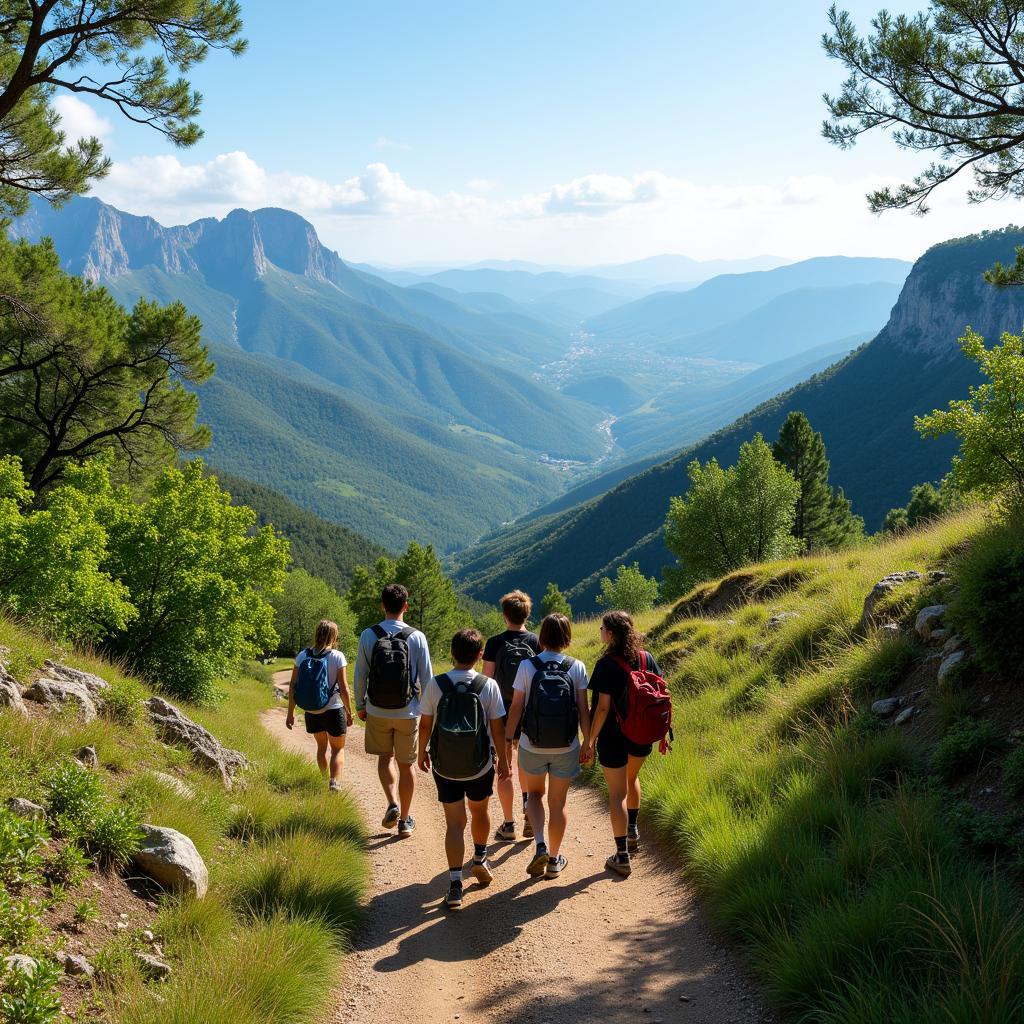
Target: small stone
x: 124, y: 917
x: 88, y: 757
x: 121, y: 926
x: 148, y: 936
x: 152, y: 967
x: 886, y: 707
x: 19, y: 962
x: 26, y: 809
x: 684, y: 999
x: 949, y: 664
x: 780, y: 618
x: 904, y: 716
x: 77, y: 966
x: 929, y: 619
x: 889, y: 630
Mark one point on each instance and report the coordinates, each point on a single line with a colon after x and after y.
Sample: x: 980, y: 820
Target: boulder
x: 77, y: 966
x: 94, y: 684
x: 60, y: 692
x: 23, y: 808
x: 174, y: 727
x: 950, y: 665
x: 929, y: 619
x: 152, y: 967
x: 886, y: 707
x: 955, y: 643
x: 88, y: 758
x: 10, y: 694
x: 881, y: 589
x: 904, y: 716
x: 171, y: 858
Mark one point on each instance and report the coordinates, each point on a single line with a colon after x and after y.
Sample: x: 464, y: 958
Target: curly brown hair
x: 626, y: 641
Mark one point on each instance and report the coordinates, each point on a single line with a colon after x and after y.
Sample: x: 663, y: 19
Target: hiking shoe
x: 453, y: 901
x: 407, y: 826
x: 481, y: 871
x: 527, y: 829
x: 334, y: 786
x: 555, y: 866
x: 391, y: 815
x: 633, y: 839
x: 506, y: 833
x: 620, y: 865
x: 539, y: 864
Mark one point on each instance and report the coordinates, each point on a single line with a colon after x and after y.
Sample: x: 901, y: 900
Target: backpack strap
x: 444, y: 683
x: 537, y: 662
x: 566, y: 664
x: 405, y: 632
x: 379, y: 631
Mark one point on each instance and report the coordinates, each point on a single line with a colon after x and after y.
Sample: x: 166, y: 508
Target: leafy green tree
x: 434, y: 605
x: 732, y: 517
x: 199, y: 574
x: 302, y: 602
x: 631, y: 591
x: 122, y: 52
x: 554, y: 601
x: 52, y: 561
x: 896, y: 521
x: 927, y: 502
x: 79, y: 376
x: 949, y: 81
x: 989, y: 423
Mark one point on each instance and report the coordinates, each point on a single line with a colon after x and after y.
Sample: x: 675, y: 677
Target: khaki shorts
x: 392, y: 736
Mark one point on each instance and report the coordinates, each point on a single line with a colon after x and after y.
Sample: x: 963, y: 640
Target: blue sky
x: 559, y: 132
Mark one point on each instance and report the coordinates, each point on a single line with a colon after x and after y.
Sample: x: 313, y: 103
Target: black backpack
x: 513, y: 652
x: 390, y: 682
x: 552, y: 715
x: 460, y: 746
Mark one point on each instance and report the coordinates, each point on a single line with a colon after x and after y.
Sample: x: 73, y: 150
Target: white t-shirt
x: 335, y: 663
x: 490, y: 699
x: 577, y: 673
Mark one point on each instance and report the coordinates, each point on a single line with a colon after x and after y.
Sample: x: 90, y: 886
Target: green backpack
x: 460, y: 746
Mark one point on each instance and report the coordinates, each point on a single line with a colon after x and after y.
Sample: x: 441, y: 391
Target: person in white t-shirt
x: 550, y: 753
x: 463, y: 760
x: 330, y: 724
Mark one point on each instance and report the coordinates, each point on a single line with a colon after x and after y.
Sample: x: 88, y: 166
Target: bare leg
x: 617, y: 786
x: 480, y: 820
x: 633, y: 767
x: 558, y: 791
x: 507, y: 792
x: 455, y: 834
x: 386, y: 773
x: 534, y: 787
x: 321, y: 752
x: 337, y: 757
x: 406, y: 788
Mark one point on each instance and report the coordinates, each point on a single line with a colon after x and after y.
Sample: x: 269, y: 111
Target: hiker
x: 622, y: 758
x: 503, y: 654
x: 462, y: 732
x: 550, y: 701
x: 392, y: 667
x: 319, y: 688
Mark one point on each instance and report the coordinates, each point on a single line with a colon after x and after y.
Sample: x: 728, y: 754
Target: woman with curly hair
x: 621, y: 759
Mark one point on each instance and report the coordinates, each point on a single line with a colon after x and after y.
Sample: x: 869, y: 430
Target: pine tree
x: 554, y: 601
x: 433, y: 603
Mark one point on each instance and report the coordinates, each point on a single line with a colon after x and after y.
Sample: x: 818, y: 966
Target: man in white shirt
x: 392, y: 667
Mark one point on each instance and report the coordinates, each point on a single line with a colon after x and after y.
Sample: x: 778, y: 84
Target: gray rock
x: 955, y: 643
x: 19, y: 962
x: 938, y: 636
x: 26, y: 809
x: 174, y: 727
x: 171, y: 858
x: 950, y: 664
x: 779, y: 618
x: 172, y: 782
x: 60, y: 692
x: 10, y: 694
x: 759, y: 650
x: 929, y: 619
x: 152, y: 968
x: 886, y: 706
x: 94, y: 684
x: 889, y: 631
x: 881, y: 589
x: 88, y: 758
x: 904, y: 716
x: 77, y: 966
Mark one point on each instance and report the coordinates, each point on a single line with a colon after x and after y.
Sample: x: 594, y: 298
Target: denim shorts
x: 541, y: 762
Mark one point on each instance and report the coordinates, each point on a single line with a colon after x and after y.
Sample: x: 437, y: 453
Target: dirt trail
x: 587, y: 947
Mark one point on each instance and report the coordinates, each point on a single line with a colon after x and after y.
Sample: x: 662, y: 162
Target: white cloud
x: 78, y: 120
x: 383, y: 142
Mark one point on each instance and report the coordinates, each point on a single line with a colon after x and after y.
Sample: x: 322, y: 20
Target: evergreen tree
x: 433, y: 603
x: 554, y: 601
x: 631, y: 591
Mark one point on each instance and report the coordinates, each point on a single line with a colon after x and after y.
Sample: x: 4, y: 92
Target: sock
x: 508, y: 824
x: 542, y: 847
x: 455, y: 876
x: 633, y: 812
x: 621, y: 850
x: 479, y: 853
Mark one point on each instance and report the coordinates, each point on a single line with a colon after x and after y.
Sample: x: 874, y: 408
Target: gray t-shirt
x: 335, y: 663
x: 419, y: 658
x: 490, y: 699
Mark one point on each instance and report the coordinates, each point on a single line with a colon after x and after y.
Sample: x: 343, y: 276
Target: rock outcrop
x: 170, y: 858
x: 928, y: 620
x: 883, y: 588
x: 63, y: 692
x: 207, y: 751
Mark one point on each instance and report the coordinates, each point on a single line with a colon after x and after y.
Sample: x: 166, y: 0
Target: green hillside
x: 864, y: 408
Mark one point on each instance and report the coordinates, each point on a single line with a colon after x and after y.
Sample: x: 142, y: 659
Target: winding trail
x: 587, y: 947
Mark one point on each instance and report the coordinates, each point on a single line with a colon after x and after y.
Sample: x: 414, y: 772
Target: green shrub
x: 115, y: 963
x: 963, y: 747
x: 68, y: 866
x: 75, y: 797
x: 114, y: 835
x: 989, y: 607
x: 19, y: 921
x: 1013, y: 772
x: 984, y: 832
x: 31, y: 997
x: 122, y: 700
x: 20, y: 842
x: 86, y: 910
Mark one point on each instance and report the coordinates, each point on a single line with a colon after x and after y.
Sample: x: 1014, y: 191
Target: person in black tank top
x: 621, y: 760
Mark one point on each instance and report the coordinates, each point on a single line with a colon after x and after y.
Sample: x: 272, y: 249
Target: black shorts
x: 614, y: 750
x: 332, y: 722
x: 451, y: 791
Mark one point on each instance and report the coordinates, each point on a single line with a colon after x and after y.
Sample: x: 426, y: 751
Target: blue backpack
x: 313, y: 689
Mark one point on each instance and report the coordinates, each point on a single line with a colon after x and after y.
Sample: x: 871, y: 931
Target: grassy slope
x: 814, y: 830
x: 286, y: 868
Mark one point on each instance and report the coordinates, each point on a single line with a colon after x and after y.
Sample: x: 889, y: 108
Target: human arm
x: 515, y: 714
x: 426, y: 728
x: 290, y: 719
x: 604, y: 706
x: 346, y: 697
x: 488, y: 668
x: 361, y: 674
x: 586, y: 750
x: 424, y: 670
x: 498, y: 735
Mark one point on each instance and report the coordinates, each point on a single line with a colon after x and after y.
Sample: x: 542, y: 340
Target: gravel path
x: 587, y: 947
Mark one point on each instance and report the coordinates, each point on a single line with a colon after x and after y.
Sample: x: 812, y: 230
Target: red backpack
x: 648, y: 717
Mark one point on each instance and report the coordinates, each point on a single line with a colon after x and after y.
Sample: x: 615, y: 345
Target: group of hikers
x: 522, y: 716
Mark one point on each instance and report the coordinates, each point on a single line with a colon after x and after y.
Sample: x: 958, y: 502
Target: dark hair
x: 626, y: 641
x: 555, y: 632
x: 466, y: 646
x: 516, y: 607
x: 394, y: 598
